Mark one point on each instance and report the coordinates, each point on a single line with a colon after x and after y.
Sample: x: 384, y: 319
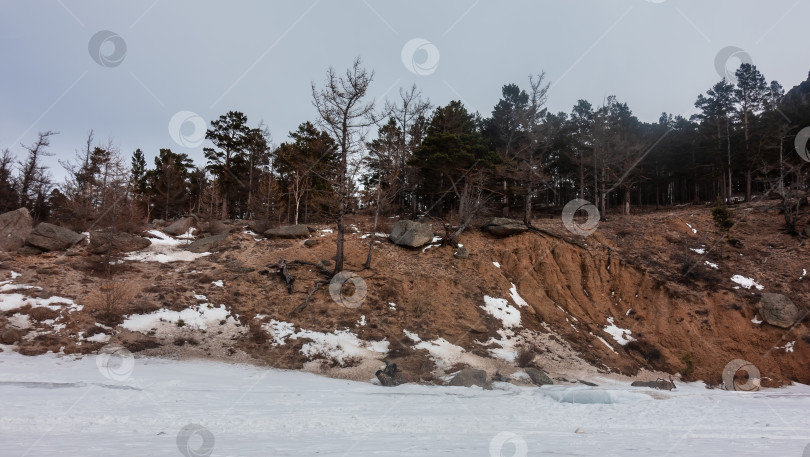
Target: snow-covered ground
x: 53, y: 405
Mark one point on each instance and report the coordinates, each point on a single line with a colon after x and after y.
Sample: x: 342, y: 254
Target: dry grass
x: 525, y: 355
x: 112, y: 299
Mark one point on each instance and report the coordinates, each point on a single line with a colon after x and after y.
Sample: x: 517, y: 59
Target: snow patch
x: 694, y: 230
x: 164, y: 249
x: 430, y: 246
x: 500, y: 309
x: 279, y: 331
x: 746, y: 282
x: 516, y: 297
x: 218, y: 283
x: 756, y: 320
x: 620, y: 335
x: 712, y: 265
x: 413, y: 336
x: 443, y: 353
x: 340, y: 346
x: 604, y: 342
x: 198, y: 317
x: 497, y: 265
x: 98, y: 338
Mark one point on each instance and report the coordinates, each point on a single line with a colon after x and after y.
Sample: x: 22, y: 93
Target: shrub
x: 690, y: 364
x: 723, y: 218
x: 525, y: 355
x: 644, y: 348
x: 108, y: 301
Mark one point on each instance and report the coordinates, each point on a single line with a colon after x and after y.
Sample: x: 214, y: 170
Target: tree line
x: 409, y: 158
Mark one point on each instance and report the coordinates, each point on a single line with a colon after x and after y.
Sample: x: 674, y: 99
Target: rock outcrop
x: 180, y: 226
x: 208, y: 244
x: 469, y: 377
x: 411, y: 234
x: 538, y: 377
x: 501, y: 226
x: 14, y: 228
x: 778, y: 310
x: 103, y: 241
x: 288, y: 231
x: 49, y: 237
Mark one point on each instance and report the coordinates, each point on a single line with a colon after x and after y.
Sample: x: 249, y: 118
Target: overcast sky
x: 125, y: 69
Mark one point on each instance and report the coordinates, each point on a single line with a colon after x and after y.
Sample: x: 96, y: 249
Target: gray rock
x: 259, y: 226
x: 470, y: 377
x: 103, y: 241
x: 778, y: 310
x: 14, y: 228
x: 49, y: 237
x: 502, y: 226
x: 288, y: 231
x: 410, y: 233
x: 538, y: 376
x: 180, y: 226
x: 29, y: 250
x: 660, y: 384
x: 461, y: 253
x: 207, y: 244
x: 215, y: 228
x: 311, y: 243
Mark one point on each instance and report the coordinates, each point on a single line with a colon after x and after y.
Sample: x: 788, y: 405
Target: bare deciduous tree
x: 346, y: 115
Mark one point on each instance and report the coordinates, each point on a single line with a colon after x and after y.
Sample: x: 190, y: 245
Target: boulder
x: 207, y: 244
x: 410, y: 233
x: 180, y: 226
x: 102, y: 241
x: 539, y: 377
x: 29, y: 250
x: 288, y: 231
x: 215, y: 228
x: 461, y: 253
x: 470, y: 377
x: 501, y: 226
x: 311, y: 243
x: 777, y: 310
x: 389, y: 375
x: 14, y: 227
x: 259, y: 226
x: 49, y: 237
x: 660, y: 384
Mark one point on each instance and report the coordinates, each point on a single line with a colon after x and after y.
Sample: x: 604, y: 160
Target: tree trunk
x: 505, y: 210
x: 374, y: 230
x: 626, y: 210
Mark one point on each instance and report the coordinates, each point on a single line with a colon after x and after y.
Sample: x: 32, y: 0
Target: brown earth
x: 687, y: 317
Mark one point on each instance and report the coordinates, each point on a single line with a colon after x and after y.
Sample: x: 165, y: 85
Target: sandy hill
x: 644, y: 295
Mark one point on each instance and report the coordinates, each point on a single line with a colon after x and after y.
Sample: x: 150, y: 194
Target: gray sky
x: 259, y: 57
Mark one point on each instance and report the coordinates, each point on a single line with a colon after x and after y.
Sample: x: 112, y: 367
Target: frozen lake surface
x: 51, y: 405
